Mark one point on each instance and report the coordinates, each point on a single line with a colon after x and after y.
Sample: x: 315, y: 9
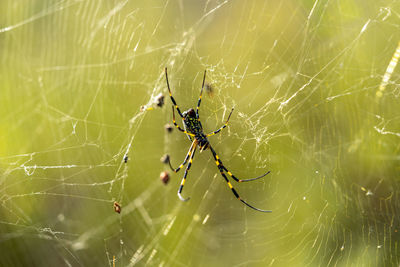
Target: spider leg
x: 201, y: 93
x: 226, y: 123
x: 184, y: 162
x: 220, y: 165
x: 243, y: 180
x: 170, y: 94
x: 186, y: 172
x: 221, y: 170
x: 177, y: 126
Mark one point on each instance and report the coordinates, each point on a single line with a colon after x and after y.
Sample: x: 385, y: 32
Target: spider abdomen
x: 192, y: 123
x: 193, y: 126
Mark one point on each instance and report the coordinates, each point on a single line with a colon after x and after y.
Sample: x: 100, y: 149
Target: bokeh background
x: 316, y: 98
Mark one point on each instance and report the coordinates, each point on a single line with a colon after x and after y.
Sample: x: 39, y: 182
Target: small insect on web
x: 194, y: 130
x: 117, y: 207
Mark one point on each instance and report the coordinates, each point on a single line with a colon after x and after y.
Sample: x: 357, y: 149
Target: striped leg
x: 241, y: 180
x: 226, y: 123
x: 201, y: 93
x: 221, y: 170
x: 170, y: 94
x: 184, y: 162
x: 220, y: 165
x: 186, y: 172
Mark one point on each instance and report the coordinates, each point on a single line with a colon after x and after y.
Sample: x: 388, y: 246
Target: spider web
x: 315, y: 89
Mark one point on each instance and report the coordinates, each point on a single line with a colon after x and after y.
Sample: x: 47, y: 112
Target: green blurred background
x: 304, y: 79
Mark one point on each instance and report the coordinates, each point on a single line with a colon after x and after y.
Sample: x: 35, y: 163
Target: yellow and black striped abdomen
x: 193, y: 126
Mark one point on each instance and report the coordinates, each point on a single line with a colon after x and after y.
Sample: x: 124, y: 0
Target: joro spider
x: 194, y: 131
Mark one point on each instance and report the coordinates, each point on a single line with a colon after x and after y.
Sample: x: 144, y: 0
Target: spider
x: 194, y: 131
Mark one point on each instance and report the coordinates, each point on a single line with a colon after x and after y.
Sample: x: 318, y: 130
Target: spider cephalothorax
x: 194, y: 130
